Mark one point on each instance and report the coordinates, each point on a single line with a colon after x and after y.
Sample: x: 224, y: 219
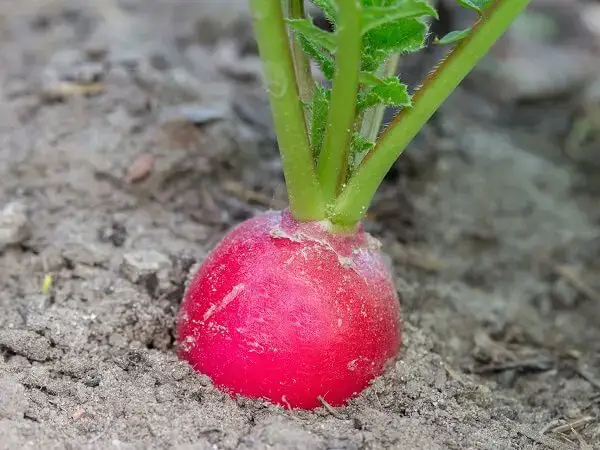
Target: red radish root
x: 290, y: 312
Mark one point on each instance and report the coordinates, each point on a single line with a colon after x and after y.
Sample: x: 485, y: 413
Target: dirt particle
x: 180, y: 371
x: 93, y: 380
x: 86, y: 253
x: 146, y: 266
x: 60, y: 91
x: 140, y: 168
x: 78, y: 414
x: 115, y: 233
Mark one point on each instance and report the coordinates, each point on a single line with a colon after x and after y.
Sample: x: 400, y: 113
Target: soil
x: 135, y: 133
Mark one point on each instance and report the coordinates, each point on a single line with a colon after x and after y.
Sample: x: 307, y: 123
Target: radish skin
x: 289, y: 312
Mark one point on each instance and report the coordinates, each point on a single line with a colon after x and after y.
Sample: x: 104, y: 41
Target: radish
x: 289, y: 311
x: 298, y: 306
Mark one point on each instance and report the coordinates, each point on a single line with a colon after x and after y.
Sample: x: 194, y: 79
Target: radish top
x: 333, y: 158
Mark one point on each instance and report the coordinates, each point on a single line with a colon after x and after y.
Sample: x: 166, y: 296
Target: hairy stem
x: 373, y: 117
x: 333, y: 160
x: 353, y: 202
x: 301, y: 61
x: 304, y: 191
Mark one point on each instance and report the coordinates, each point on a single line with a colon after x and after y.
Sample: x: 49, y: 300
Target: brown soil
x: 133, y: 134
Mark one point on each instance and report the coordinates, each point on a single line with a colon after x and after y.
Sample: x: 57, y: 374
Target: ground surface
x: 109, y: 187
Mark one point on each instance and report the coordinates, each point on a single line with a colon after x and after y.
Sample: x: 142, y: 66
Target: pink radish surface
x: 290, y: 312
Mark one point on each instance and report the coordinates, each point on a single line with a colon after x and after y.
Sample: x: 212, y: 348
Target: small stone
x: 180, y: 371
x: 93, y: 380
x: 87, y: 253
x: 78, y: 414
x: 13, y: 402
x: 140, y: 265
x: 14, y: 224
x: 116, y: 234
x: 141, y: 168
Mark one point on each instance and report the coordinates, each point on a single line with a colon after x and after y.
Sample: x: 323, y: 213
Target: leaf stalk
x: 304, y: 191
x: 332, y: 166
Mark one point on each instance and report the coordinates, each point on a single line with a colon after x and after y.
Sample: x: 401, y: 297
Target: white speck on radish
x: 352, y: 365
x: 214, y: 308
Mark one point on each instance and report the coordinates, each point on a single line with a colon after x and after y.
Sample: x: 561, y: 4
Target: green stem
x: 304, y: 191
x: 373, y: 117
x: 301, y: 61
x: 333, y: 160
x: 353, y: 202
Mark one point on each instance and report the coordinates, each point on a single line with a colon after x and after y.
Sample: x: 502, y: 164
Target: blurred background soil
x: 134, y: 133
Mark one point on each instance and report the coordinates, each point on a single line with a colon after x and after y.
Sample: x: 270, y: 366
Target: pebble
x: 86, y: 253
x: 13, y: 402
x: 140, y: 264
x: 115, y: 233
x: 141, y: 168
x: 14, y: 224
x: 180, y: 371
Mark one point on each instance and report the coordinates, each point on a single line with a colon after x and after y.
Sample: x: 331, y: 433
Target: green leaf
x: 475, y: 5
x: 319, y: 109
x: 402, y: 36
x: 321, y: 57
x: 328, y: 8
x: 359, y: 147
x: 453, y: 37
x: 361, y: 144
x: 379, y: 16
x: 369, y: 79
x: 389, y: 91
x: 312, y: 33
